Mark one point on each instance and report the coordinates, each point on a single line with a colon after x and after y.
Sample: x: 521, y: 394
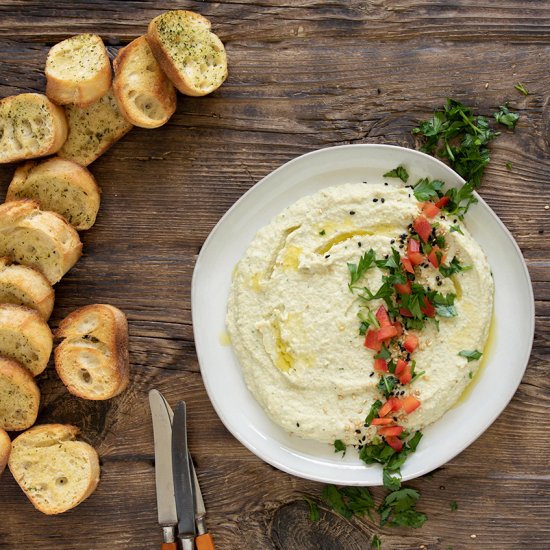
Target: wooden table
x: 303, y: 75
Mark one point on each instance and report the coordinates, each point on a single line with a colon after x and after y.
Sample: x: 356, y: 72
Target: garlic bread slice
x: 40, y: 239
x: 192, y: 56
x: 19, y: 396
x: 78, y: 70
x: 25, y: 286
x: 144, y: 93
x: 93, y: 129
x: 92, y: 360
x: 31, y: 126
x: 25, y: 337
x: 5, y: 448
x: 55, y: 471
x: 61, y: 186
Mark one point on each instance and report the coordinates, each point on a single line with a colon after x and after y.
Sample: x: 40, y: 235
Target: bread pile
x: 84, y: 112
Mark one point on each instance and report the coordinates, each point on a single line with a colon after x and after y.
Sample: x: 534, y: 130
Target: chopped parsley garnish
x: 313, y: 509
x: 444, y: 305
x: 376, y: 543
x: 358, y: 270
x: 509, y: 166
x: 375, y: 407
x: 454, y: 267
x: 398, y: 172
x: 399, y: 508
x: 339, y: 446
x: 322, y: 232
x: 457, y: 229
x: 386, y: 385
x: 426, y: 189
x: 505, y: 117
x: 471, y: 355
x: 453, y: 505
x: 521, y: 88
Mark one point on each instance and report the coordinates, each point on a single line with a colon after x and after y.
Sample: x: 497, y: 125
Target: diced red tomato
x: 416, y: 258
x: 413, y: 252
x: 432, y: 256
x: 382, y: 317
x: 409, y: 403
x: 407, y: 265
x: 413, y: 246
x: 405, y: 312
x: 443, y: 201
x: 390, y: 431
x: 411, y: 342
x: 395, y: 443
x: 423, y: 227
x: 382, y: 421
x: 430, y: 209
x: 428, y: 309
x: 400, y: 367
x: 406, y: 375
x: 385, y: 333
x: 371, y: 340
x: 403, y: 288
x: 392, y: 404
x: 380, y: 365
x: 398, y: 327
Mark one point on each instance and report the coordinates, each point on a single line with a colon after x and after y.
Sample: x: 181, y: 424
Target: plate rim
x: 475, y: 433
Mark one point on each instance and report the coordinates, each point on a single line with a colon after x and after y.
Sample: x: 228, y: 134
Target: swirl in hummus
x: 294, y: 319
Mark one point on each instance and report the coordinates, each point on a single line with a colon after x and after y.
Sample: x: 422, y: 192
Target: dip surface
x: 293, y: 319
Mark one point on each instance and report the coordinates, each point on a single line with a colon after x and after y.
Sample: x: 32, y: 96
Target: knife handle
x: 169, y: 546
x: 204, y: 542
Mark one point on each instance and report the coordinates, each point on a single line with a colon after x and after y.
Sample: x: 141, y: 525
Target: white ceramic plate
x: 493, y: 387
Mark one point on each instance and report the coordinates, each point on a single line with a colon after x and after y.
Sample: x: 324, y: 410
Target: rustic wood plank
x: 303, y: 75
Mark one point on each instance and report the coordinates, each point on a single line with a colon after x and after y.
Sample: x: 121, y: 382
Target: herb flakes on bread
x: 144, y: 93
x: 31, y: 126
x: 92, y: 360
x: 40, y: 239
x: 78, y: 70
x: 190, y: 54
x: 61, y: 186
x: 19, y: 396
x: 25, y: 337
x: 93, y: 129
x: 55, y: 471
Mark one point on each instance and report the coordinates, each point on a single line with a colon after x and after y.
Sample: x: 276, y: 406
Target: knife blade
x: 166, y: 502
x: 183, y: 487
x: 204, y: 540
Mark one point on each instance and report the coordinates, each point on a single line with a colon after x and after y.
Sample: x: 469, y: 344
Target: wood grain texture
x: 302, y: 75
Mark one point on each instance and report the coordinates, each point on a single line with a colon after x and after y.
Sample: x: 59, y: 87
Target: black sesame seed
x: 437, y: 277
x: 359, y: 244
x: 386, y: 183
x: 374, y: 200
x: 366, y: 425
x: 395, y: 418
x: 352, y: 212
x: 363, y: 438
x: 327, y: 256
x: 357, y: 431
x: 392, y: 241
x: 401, y: 246
x: 454, y: 221
x: 371, y: 374
x: 382, y: 200
x: 439, y: 283
x: 297, y: 424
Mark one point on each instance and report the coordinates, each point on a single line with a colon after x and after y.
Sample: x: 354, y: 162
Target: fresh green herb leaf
x: 384, y: 353
x: 471, y: 355
x: 339, y: 447
x: 426, y: 189
x: 375, y: 407
x: 521, y: 88
x: 457, y: 229
x: 376, y: 543
x: 505, y: 117
x: 356, y: 271
x: 454, y: 505
x: 322, y: 232
x: 454, y: 267
x: 509, y: 166
x: 334, y: 499
x: 358, y: 500
x: 398, y: 172
x: 313, y: 509
x: 392, y: 481
x: 399, y: 508
x: 386, y: 385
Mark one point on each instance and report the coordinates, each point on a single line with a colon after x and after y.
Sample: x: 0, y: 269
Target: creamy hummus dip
x: 294, y: 325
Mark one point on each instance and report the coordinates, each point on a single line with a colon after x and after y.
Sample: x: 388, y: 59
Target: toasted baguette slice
x: 78, y: 71
x: 193, y: 57
x: 19, y: 396
x: 31, y: 126
x: 25, y: 337
x: 92, y: 360
x: 58, y: 185
x: 44, y: 240
x: 55, y: 471
x: 93, y: 129
x: 25, y: 286
x: 5, y: 448
x: 144, y: 93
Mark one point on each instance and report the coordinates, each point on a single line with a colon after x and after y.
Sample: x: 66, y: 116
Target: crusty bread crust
x: 58, y: 185
x: 144, y: 93
x: 25, y: 337
x: 19, y: 396
x: 31, y: 126
x: 92, y: 360
x: 193, y: 57
x: 5, y: 448
x: 93, y: 129
x: 78, y: 70
x: 44, y: 240
x: 25, y: 286
x: 40, y: 461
